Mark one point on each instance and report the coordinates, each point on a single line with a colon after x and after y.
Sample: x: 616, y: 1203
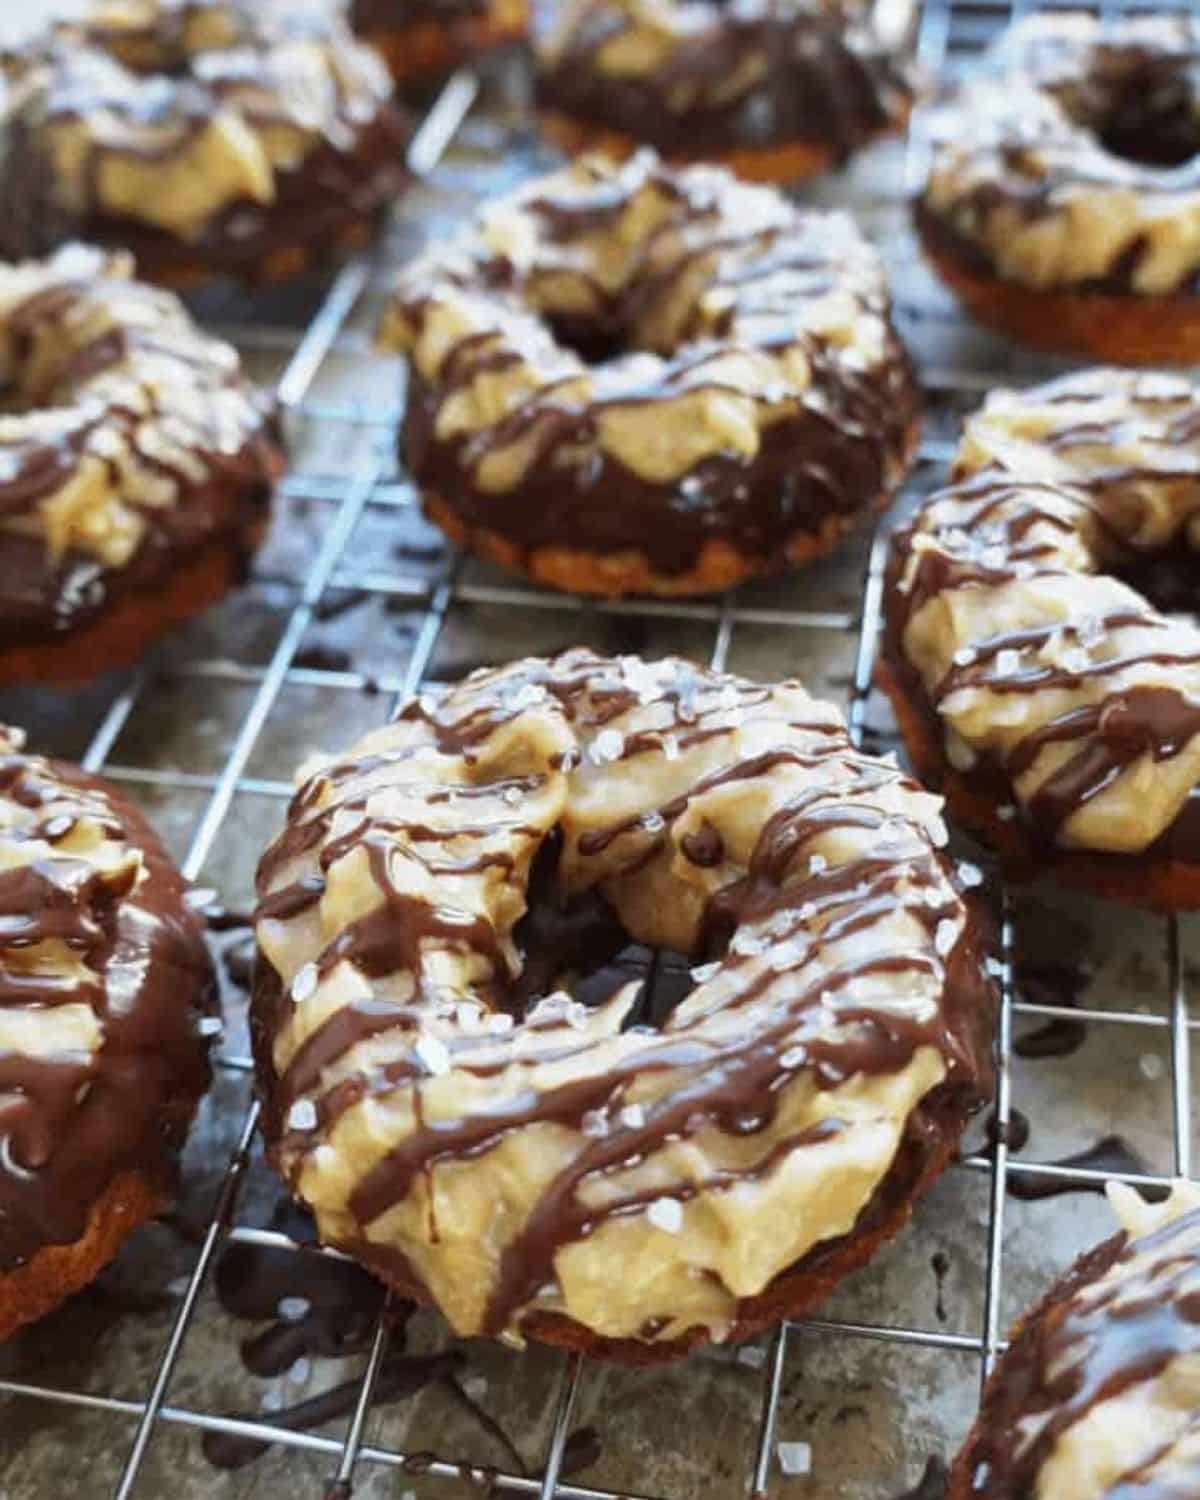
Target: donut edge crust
x: 123, y: 631
x: 1108, y: 327
x: 719, y: 566
x: 55, y: 1273
x: 1001, y: 1398
x: 783, y: 161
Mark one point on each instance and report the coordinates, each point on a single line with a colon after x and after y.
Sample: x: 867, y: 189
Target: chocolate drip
x: 1110, y: 1154
x: 72, y: 1123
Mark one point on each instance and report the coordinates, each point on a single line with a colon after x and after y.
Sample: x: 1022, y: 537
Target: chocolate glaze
x: 164, y: 96
x: 819, y: 77
x: 1052, y: 984
x: 1083, y: 1346
x: 730, y: 1084
x: 981, y: 538
x: 71, y: 1124
x: 1109, y: 1154
x: 835, y: 454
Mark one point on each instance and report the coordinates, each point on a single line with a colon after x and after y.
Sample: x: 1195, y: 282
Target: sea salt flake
x: 633, y: 1116
x: 994, y: 968
x: 467, y: 1013
x: 653, y: 822
x: 301, y: 1371
x: 702, y: 973
x: 808, y: 910
x: 511, y: 795
x: 969, y: 874
x: 795, y: 1458
x: 666, y: 1214
x: 938, y: 832
x: 945, y: 936
x: 670, y: 747
x: 1008, y: 663
x: 200, y: 897
x: 594, y: 1124
x: 432, y: 1052
x: 500, y: 1023
x: 794, y: 1057
x: 1090, y: 630
x: 302, y: 1115
x: 293, y: 1309
x: 609, y: 745
x: 964, y: 656
x: 211, y: 1026
x: 1076, y: 660
x: 817, y: 864
x: 272, y: 1401
x: 304, y: 986
x: 1006, y: 812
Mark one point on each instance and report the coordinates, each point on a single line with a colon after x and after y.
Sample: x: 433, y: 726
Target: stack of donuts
x: 648, y: 371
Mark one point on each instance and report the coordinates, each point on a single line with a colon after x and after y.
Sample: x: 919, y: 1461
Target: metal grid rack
x: 951, y: 35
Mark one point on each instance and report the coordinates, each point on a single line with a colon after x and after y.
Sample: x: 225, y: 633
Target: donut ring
x: 502, y: 1157
x: 1057, y: 709
x: 107, y: 1000
x: 769, y: 405
x: 775, y: 96
x: 1094, y: 1396
x: 136, y: 466
x: 1063, y: 205
x: 424, y: 39
x: 207, y: 139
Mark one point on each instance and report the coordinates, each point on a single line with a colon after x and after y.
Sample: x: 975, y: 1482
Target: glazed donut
x: 136, y: 466
x: 206, y: 138
x: 107, y: 999
x: 1063, y: 206
x: 1097, y: 1396
x: 759, y: 404
x: 777, y: 92
x: 1054, y: 705
x: 424, y: 39
x: 516, y: 1155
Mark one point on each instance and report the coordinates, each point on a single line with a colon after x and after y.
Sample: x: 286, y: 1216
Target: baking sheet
x: 862, y: 1413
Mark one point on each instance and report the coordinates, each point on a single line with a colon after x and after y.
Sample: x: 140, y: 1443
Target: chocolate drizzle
x: 1122, y: 1314
x: 779, y: 927
x: 749, y: 76
x: 1108, y: 679
x: 132, y: 953
x: 724, y: 274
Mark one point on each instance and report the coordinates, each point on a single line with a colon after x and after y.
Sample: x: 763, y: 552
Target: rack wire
x: 951, y: 35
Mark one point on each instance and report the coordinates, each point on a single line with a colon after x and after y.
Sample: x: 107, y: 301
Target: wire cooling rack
x: 344, y: 491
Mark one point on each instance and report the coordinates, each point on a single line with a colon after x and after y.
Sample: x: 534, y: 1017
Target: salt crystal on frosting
x: 945, y: 936
x: 964, y: 656
x: 302, y: 1115
x: 653, y: 822
x: 211, y: 1026
x: 970, y: 874
x: 817, y: 864
x: 794, y: 1057
x: 432, y: 1052
x: 1008, y: 663
x: 594, y: 1124
x: 1006, y: 812
x: 634, y: 1116
x: 304, y: 986
x: 609, y: 745
x: 293, y: 1309
x: 702, y: 973
x: 500, y: 1023
x: 666, y: 1214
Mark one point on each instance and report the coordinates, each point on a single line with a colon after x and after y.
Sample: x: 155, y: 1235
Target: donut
x: 1062, y: 206
x: 136, y: 466
x: 423, y: 39
x: 542, y: 1167
x: 640, y: 378
x: 1034, y: 681
x: 1097, y: 1396
x: 208, y: 138
x: 107, y: 1010
x: 776, y: 92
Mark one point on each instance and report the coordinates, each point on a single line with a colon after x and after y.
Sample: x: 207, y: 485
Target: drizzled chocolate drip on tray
x: 432, y: 1123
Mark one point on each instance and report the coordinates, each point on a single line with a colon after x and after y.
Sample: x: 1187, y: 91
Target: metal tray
x: 354, y: 602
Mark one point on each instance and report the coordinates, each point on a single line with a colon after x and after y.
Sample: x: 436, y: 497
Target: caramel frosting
x: 761, y: 388
x: 697, y: 75
x: 1046, y: 669
x: 461, y: 1125
x: 1100, y: 1396
x: 1076, y: 163
x: 106, y: 997
x: 177, y: 114
x: 127, y: 435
